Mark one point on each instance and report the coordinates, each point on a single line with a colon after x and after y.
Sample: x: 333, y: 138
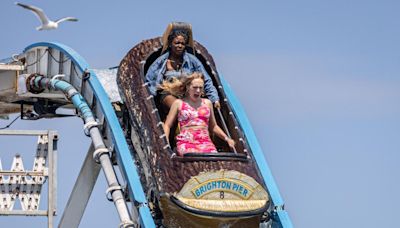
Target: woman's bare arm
x: 171, y: 117
x: 216, y: 129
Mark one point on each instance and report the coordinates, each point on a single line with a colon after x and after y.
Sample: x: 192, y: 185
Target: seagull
x: 46, y: 23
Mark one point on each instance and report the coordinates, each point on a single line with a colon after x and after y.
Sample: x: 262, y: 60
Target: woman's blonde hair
x: 178, y: 87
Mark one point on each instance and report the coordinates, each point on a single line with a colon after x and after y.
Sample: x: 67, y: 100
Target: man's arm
x: 151, y: 77
x: 154, y: 71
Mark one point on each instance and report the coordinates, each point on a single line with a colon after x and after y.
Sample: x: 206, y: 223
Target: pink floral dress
x: 196, y: 140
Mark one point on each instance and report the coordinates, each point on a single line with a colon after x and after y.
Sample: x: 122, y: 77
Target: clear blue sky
x: 319, y: 81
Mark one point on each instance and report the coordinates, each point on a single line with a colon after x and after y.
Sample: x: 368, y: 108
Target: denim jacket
x: 155, y: 74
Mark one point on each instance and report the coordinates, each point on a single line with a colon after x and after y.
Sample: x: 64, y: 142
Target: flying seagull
x: 46, y: 23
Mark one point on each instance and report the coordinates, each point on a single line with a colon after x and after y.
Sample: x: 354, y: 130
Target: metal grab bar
x: 225, y: 127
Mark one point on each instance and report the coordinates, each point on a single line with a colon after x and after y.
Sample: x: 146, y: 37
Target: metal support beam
x: 25, y: 213
x: 81, y: 192
x: 11, y: 67
x: 52, y: 194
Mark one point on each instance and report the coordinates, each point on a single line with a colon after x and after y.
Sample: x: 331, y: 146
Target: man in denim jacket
x: 177, y: 62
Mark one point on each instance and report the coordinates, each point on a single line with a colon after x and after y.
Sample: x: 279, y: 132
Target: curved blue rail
x: 124, y: 155
x: 279, y: 215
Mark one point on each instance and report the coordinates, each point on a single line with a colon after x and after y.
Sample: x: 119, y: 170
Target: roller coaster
x: 161, y: 189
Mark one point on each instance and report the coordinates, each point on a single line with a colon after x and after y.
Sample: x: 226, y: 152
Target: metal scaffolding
x: 25, y: 186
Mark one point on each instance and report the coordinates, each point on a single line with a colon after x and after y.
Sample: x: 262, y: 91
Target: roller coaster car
x: 224, y: 189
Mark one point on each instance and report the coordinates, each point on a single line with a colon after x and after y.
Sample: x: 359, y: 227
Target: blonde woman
x: 195, y: 116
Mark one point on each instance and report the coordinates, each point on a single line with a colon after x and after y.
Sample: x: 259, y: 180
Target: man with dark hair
x: 177, y: 62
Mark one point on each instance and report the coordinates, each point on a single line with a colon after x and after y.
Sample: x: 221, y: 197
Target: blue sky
x: 319, y: 81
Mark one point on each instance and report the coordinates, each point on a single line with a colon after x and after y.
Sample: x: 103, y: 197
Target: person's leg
x: 168, y: 100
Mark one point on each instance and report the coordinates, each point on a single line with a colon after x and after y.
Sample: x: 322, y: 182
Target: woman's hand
x: 169, y: 65
x: 217, y: 104
x: 230, y: 142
